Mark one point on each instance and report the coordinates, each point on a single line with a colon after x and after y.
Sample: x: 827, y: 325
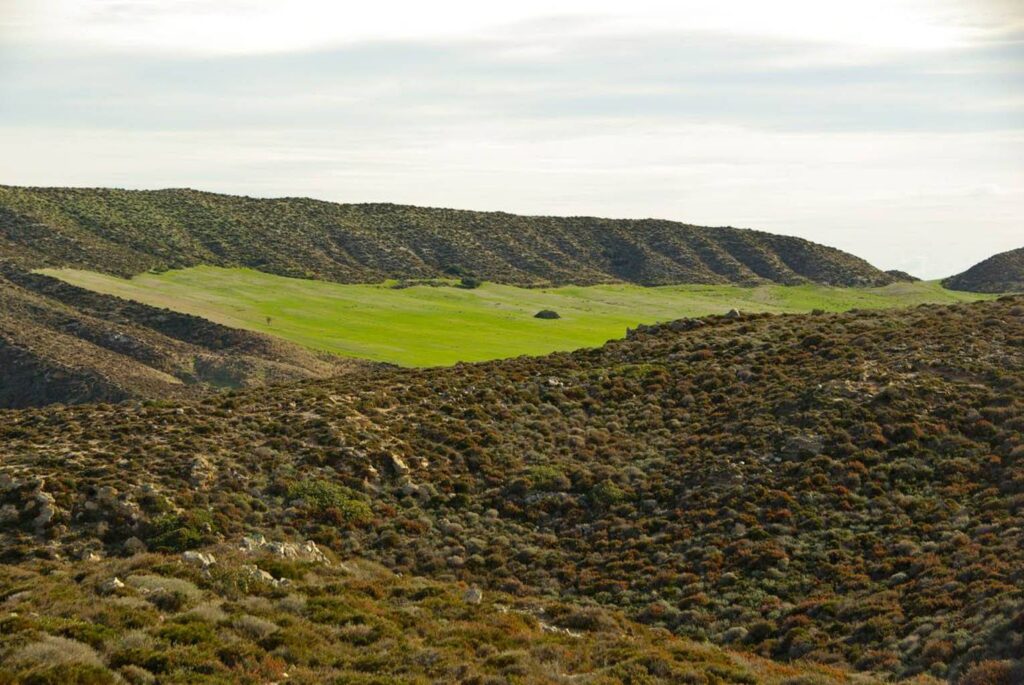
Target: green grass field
x: 427, y: 326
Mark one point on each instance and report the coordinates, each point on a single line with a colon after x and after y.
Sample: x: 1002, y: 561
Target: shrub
x: 327, y: 496
x: 994, y: 673
x: 168, y: 594
x: 59, y: 661
x: 254, y: 627
x: 179, y: 532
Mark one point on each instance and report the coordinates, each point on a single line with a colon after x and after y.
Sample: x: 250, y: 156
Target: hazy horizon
x: 891, y: 130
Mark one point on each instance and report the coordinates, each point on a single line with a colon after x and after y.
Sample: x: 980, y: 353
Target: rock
x: 312, y: 552
x: 89, y: 555
x: 397, y: 465
x: 286, y: 550
x: 547, y: 314
x: 254, y: 572
x: 733, y: 314
x: 111, y: 586
x: 201, y: 471
x: 47, y: 510
x: 133, y: 545
x: 199, y: 558
x: 253, y: 543
x: 473, y: 595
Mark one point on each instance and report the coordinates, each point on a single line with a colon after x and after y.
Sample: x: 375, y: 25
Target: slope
x: 842, y: 488
x: 277, y: 612
x: 1001, y: 273
x: 128, y: 232
x: 59, y: 343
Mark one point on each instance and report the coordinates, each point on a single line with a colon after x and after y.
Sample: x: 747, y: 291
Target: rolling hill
x: 1001, y: 273
x: 126, y: 232
x: 838, y: 488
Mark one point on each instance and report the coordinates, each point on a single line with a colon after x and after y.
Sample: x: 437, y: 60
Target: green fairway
x: 426, y: 326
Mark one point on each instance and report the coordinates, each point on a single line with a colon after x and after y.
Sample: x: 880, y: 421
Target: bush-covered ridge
x: 845, y: 488
x: 1001, y: 273
x: 129, y: 232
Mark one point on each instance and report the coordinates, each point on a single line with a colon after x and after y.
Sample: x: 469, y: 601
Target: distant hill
x: 845, y: 489
x: 59, y: 343
x: 902, y: 276
x: 128, y: 232
x: 1001, y: 273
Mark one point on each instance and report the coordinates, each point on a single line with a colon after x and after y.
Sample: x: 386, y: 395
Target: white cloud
x: 891, y: 129
x: 254, y: 26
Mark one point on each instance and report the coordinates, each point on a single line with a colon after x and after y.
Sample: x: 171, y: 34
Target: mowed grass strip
x: 433, y: 326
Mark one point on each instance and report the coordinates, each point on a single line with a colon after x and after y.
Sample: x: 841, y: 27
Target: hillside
x: 840, y: 488
x: 1001, y: 273
x: 129, y: 232
x: 264, y: 613
x: 59, y: 343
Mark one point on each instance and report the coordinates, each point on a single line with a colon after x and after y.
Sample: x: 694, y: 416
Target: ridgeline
x: 126, y: 232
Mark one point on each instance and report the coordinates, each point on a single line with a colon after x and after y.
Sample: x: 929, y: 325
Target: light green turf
x: 425, y: 326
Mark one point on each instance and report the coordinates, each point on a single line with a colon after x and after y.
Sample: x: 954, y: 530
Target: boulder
x: 111, y: 586
x: 199, y: 558
x: 547, y: 314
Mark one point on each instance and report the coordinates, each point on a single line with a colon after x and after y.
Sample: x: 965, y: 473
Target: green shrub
x: 326, y: 496
x: 179, y: 532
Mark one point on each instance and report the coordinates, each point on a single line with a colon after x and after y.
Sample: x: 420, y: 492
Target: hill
x: 129, y: 232
x: 841, y: 488
x: 1001, y: 273
x: 59, y: 343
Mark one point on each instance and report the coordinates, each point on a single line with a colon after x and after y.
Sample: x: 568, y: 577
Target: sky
x: 893, y: 129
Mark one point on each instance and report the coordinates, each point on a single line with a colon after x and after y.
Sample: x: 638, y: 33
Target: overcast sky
x: 890, y: 128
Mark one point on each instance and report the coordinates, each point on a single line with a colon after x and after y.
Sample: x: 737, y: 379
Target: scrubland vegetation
x: 842, y: 489
x: 230, y: 616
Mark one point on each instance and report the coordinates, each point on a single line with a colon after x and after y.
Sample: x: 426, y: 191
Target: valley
x: 442, y: 324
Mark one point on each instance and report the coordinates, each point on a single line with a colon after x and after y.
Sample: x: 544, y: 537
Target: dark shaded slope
x: 59, y: 343
x: 1001, y: 273
x: 845, y: 488
x: 128, y: 232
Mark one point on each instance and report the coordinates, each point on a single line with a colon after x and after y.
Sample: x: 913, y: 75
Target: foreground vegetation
x: 278, y: 614
x: 439, y: 323
x: 845, y: 489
